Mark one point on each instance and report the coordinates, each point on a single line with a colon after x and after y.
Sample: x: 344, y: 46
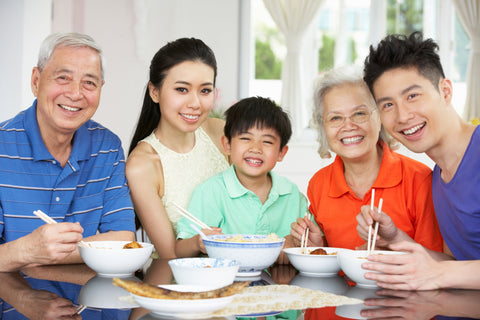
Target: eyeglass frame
x: 369, y: 112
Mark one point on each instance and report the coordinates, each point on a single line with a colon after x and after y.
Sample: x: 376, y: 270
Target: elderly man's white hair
x: 73, y: 40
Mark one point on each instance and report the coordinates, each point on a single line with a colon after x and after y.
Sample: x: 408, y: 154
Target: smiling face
x: 351, y: 141
x: 186, y: 96
x: 254, y: 152
x: 412, y: 109
x: 67, y: 90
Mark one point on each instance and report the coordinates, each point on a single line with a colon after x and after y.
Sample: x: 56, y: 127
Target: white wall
x: 23, y: 25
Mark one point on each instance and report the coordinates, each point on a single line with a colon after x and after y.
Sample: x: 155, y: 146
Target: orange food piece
x: 132, y: 245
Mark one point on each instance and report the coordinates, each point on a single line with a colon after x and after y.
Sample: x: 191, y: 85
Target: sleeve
x: 427, y: 232
x: 118, y: 214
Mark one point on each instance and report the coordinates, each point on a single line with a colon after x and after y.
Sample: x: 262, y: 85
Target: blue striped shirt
x: 91, y: 189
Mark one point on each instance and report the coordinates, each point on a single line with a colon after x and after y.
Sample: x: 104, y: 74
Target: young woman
x: 175, y: 146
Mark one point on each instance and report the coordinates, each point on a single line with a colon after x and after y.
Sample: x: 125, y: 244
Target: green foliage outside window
x: 404, y: 17
x: 326, y: 54
x: 267, y: 65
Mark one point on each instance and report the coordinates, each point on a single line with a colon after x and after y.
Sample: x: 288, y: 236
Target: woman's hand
x: 387, y: 231
x: 315, y: 237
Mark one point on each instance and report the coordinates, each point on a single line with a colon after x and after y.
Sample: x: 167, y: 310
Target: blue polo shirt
x: 91, y: 189
x: 222, y: 201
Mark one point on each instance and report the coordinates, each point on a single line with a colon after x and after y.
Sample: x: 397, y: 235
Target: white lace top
x: 184, y: 171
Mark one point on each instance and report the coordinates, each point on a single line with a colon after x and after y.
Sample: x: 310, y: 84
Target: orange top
x: 405, y: 186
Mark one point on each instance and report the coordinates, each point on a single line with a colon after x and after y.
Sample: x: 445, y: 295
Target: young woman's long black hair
x: 173, y: 53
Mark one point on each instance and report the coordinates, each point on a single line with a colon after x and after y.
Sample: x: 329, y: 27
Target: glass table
x: 56, y: 292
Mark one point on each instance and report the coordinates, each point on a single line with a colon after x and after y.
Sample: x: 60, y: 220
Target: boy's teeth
x: 254, y: 161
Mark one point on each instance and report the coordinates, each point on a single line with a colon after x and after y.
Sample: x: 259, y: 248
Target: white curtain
x: 292, y: 18
x: 468, y: 12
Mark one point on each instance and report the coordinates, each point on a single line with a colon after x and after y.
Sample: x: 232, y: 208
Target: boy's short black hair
x: 260, y: 112
x: 401, y: 51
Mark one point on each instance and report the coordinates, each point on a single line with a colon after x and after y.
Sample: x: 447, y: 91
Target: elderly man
x: 55, y: 159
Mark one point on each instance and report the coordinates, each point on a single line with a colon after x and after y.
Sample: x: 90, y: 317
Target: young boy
x: 414, y: 100
x: 247, y: 198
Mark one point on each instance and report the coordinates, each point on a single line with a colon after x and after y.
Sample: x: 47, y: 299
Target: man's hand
x: 50, y: 243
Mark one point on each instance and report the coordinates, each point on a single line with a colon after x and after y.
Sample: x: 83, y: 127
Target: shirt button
x: 57, y: 199
x: 54, y: 162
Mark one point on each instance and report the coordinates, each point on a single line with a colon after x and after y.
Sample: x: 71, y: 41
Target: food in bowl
x: 132, y: 245
x: 314, y: 265
x: 320, y: 252
x: 213, y: 272
x: 109, y: 259
x: 253, y: 252
x: 351, y: 263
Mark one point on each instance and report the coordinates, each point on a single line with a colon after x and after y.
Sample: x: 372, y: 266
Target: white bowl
x: 314, y: 265
x: 99, y: 292
x: 254, y: 254
x: 182, y: 308
x: 213, y: 272
x: 351, y: 261
x: 109, y: 259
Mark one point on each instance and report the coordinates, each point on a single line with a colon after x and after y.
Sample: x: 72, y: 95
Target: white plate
x: 170, y: 307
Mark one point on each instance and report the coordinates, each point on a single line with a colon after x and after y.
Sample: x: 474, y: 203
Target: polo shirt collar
x: 390, y: 173
x: 236, y: 190
x: 81, y: 140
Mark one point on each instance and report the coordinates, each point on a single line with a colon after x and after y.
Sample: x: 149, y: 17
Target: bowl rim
x: 211, y: 238
x: 145, y: 245
x: 293, y: 251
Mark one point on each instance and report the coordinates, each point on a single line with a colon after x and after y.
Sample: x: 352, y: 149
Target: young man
x: 247, y: 198
x: 55, y: 159
x: 414, y: 99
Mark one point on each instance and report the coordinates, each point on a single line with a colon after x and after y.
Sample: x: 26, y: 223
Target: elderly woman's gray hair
x: 323, y: 84
x: 72, y: 40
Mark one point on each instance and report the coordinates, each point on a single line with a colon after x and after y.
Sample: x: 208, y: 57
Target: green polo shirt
x: 222, y: 201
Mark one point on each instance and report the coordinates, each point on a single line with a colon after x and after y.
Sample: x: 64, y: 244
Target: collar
x: 236, y: 190
x: 389, y: 175
x: 82, y: 142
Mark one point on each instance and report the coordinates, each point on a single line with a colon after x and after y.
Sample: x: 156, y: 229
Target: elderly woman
x: 349, y: 125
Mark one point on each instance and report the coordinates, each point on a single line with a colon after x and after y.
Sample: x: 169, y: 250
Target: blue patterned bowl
x: 253, y: 252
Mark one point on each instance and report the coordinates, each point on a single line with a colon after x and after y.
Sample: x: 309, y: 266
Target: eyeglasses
x: 335, y: 120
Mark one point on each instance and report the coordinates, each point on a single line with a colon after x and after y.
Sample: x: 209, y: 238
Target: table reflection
x: 55, y: 292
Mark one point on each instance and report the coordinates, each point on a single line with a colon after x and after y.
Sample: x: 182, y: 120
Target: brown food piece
x: 149, y: 291
x: 132, y: 245
x: 319, y: 251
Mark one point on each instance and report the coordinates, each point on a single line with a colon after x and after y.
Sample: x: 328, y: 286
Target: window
x: 342, y: 35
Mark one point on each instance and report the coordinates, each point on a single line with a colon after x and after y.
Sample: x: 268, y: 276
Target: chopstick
x: 376, y: 227
x: 47, y: 219
x: 304, y: 241
x: 372, y: 204
x: 191, y: 217
x: 80, y: 308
